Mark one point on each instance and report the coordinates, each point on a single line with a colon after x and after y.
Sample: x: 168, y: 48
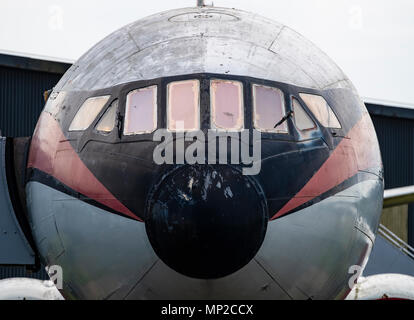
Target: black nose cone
x: 206, y: 221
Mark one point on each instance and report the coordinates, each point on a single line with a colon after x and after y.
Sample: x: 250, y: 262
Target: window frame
x: 103, y: 113
x: 300, y: 93
x: 120, y: 92
x: 155, y: 110
x: 93, y: 121
x: 307, y: 111
x: 242, y: 110
x: 198, y: 106
x: 284, y: 107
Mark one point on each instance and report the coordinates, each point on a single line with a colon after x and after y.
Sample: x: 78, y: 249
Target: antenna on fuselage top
x: 200, y: 3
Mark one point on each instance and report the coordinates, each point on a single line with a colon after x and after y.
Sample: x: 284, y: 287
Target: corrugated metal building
x: 22, y: 83
x: 394, y: 124
x: 24, y: 79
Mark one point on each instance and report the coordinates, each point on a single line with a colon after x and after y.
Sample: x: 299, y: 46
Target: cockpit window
x: 268, y: 109
x: 226, y: 105
x: 87, y: 113
x: 302, y: 120
x: 107, y: 122
x: 183, y: 107
x: 141, y: 111
x: 321, y: 109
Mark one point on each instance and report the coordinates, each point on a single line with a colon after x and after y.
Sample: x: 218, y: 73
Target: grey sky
x: 371, y: 40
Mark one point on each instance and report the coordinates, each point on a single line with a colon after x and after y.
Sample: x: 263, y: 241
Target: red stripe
x: 358, y: 151
x: 51, y: 153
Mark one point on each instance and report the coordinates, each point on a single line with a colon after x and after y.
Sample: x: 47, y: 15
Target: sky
x: 372, y: 41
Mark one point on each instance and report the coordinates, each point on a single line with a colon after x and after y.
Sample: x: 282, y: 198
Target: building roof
x: 34, y: 62
x: 389, y: 108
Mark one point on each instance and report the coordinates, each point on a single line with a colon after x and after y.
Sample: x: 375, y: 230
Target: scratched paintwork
x: 340, y: 223
x: 166, y: 45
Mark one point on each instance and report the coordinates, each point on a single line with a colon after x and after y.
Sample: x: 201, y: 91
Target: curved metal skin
x: 123, y: 227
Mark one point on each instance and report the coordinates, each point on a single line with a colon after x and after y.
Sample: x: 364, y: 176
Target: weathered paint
x: 332, y: 230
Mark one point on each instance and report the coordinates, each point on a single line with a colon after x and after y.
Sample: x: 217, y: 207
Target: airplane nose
x: 206, y: 221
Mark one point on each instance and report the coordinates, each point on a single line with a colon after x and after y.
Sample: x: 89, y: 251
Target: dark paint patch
x: 206, y: 221
x: 123, y: 168
x: 51, y: 153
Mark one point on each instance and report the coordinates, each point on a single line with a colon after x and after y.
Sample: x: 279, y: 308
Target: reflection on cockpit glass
x: 88, y: 112
x: 321, y: 109
x: 183, y: 105
x: 141, y: 111
x: 226, y: 104
x: 302, y: 119
x: 107, y: 122
x: 269, y: 109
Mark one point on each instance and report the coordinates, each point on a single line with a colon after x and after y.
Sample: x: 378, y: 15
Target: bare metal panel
x: 204, y: 39
x: 14, y: 248
x: 63, y: 232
